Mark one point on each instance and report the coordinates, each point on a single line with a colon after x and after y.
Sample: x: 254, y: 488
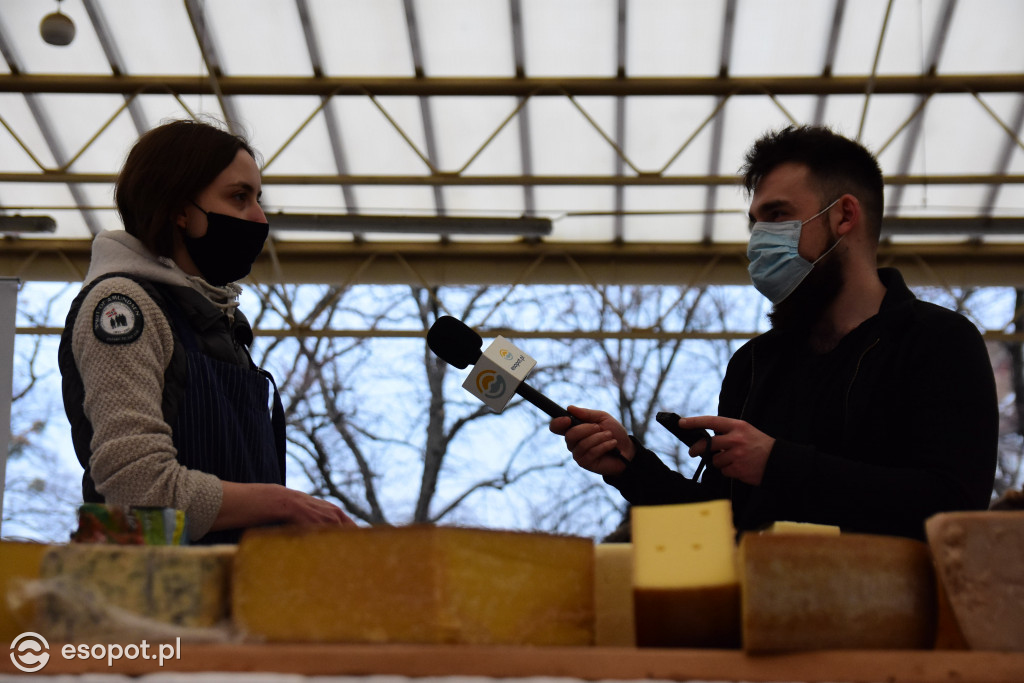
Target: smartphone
x: 670, y: 421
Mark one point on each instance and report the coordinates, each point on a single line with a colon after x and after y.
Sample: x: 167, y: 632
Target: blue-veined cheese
x: 90, y: 591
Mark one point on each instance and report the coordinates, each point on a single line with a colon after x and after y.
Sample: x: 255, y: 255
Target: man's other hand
x: 741, y: 451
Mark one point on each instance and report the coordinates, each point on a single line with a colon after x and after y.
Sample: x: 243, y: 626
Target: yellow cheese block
x: 854, y: 591
x: 613, y: 595
x: 802, y: 528
x: 18, y: 561
x: 979, y: 561
x: 101, y: 592
x: 416, y: 584
x: 685, y: 585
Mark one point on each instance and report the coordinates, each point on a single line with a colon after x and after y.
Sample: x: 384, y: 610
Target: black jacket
x: 897, y: 423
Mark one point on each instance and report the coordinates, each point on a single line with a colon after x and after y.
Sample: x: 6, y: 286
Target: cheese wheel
x: 979, y: 561
x: 416, y: 584
x: 853, y: 591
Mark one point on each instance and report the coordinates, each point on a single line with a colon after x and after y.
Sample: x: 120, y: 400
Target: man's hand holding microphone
x: 598, y: 442
x: 594, y: 440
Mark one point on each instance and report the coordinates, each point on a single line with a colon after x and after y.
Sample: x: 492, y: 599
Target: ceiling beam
x: 962, y: 264
x: 211, y: 52
x: 621, y: 51
x: 592, y: 334
x: 426, y: 112
x: 44, y: 123
x: 511, y: 87
x: 718, y: 122
x: 516, y: 180
x: 329, y: 115
x: 913, y: 133
x: 831, y: 46
x: 114, y: 59
x: 523, y: 120
x: 946, y: 225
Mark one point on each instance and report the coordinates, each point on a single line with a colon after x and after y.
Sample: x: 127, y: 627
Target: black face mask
x: 227, y: 251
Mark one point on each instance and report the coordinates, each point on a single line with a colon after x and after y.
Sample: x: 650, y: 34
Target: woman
x: 166, y: 406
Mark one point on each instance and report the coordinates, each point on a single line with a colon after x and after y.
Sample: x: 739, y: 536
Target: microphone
x: 454, y: 342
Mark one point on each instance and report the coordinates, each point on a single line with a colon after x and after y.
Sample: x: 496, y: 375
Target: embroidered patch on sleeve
x: 117, y: 320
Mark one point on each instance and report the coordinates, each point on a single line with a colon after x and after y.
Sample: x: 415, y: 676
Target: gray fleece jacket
x: 133, y: 460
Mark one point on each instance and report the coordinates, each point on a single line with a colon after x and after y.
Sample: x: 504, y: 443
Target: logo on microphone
x: 508, y: 356
x: 32, y: 653
x: 490, y: 384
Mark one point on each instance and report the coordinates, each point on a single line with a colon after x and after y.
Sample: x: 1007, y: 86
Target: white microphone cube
x: 502, y: 367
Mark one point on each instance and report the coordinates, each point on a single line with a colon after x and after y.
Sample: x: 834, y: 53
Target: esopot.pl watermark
x: 30, y: 652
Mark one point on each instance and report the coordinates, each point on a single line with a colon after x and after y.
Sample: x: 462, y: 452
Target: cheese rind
x: 979, y: 562
x: 705, y: 617
x: 18, y: 561
x: 854, y: 591
x: 613, y: 595
x: 417, y: 584
x: 685, y: 584
x: 948, y: 635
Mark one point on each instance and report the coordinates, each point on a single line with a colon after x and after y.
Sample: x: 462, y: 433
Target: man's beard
x: 802, y: 311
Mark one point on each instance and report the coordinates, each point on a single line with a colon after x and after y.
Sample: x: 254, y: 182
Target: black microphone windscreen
x: 454, y: 342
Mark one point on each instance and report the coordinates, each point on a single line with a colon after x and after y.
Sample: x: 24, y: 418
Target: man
x: 863, y: 407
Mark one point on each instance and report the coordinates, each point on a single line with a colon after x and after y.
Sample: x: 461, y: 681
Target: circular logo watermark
x: 30, y: 652
x: 490, y: 384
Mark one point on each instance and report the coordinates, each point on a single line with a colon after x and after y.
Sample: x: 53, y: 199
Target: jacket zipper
x: 849, y: 386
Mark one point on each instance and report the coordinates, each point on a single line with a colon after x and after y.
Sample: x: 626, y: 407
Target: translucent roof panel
x: 619, y: 121
x: 362, y: 37
x: 667, y: 38
x: 767, y: 41
x: 449, y: 30
x: 569, y: 37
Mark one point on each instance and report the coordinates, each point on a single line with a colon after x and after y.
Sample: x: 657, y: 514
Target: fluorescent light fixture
x: 943, y: 225
x: 422, y: 225
x: 27, y: 224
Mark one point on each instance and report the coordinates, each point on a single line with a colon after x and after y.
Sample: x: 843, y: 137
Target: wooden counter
x: 895, y: 666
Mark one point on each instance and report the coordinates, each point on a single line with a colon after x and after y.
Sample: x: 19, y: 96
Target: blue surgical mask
x: 776, y: 266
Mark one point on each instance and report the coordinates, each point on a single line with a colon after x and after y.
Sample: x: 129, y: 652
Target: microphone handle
x: 554, y: 410
x: 543, y: 402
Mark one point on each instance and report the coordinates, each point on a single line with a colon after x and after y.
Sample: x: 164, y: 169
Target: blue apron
x: 230, y: 422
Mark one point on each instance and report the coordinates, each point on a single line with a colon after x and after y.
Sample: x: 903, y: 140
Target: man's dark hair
x: 837, y: 164
x: 168, y: 167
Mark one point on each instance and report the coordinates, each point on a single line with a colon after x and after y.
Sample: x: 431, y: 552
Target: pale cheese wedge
x: 686, y: 588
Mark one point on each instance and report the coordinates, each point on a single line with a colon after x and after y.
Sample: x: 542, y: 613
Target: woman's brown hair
x: 168, y: 167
